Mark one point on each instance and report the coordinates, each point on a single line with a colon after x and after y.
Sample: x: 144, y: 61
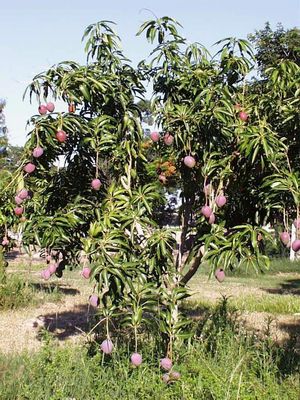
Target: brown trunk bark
x: 192, y: 270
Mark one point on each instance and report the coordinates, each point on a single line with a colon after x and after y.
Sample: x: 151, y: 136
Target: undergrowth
x: 221, y: 362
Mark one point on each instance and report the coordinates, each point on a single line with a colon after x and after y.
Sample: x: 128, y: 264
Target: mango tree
x: 221, y: 144
x: 96, y: 210
x: 233, y: 145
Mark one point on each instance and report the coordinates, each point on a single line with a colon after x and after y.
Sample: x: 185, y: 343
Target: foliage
x: 273, y: 46
x: 240, y: 139
x: 198, y: 98
x: 145, y: 108
x: 3, y: 134
x: 14, y: 154
x: 3, y: 266
x: 9, y: 159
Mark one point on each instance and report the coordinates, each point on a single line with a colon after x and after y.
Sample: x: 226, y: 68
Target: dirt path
x: 19, y: 330
x: 67, y: 319
x: 280, y: 327
x: 202, y: 288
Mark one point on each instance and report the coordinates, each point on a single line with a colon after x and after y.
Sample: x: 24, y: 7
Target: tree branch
x: 186, y: 214
x: 192, y: 270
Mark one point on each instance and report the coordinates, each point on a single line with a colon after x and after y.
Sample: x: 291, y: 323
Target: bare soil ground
x: 69, y: 319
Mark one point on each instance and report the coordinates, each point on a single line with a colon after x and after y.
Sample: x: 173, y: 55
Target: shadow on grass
x: 293, y: 330
x: 223, y: 322
x: 12, y: 255
x: 196, y: 310
x: 289, y: 361
x: 59, y: 288
x: 68, y: 323
x: 81, y: 320
x: 289, y: 286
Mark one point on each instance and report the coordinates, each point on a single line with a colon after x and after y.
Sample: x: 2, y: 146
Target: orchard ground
x: 252, y: 353
x: 268, y: 302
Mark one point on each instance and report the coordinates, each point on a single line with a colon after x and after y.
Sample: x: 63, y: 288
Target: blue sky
x: 38, y: 34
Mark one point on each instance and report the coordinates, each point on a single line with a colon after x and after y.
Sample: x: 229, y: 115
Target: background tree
x: 3, y: 135
x: 5, y: 201
x: 14, y: 155
x: 276, y: 88
x: 273, y: 46
x: 9, y: 155
x: 145, y: 108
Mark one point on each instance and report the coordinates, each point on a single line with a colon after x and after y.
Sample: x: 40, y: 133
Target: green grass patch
x: 267, y: 281
x: 278, y: 290
x: 271, y: 303
x: 16, y: 292
x: 284, y: 265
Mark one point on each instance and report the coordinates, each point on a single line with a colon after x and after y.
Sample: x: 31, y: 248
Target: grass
x: 284, y: 265
x: 270, y: 303
x: 17, y: 292
x: 268, y: 298
x: 267, y: 304
x: 222, y: 363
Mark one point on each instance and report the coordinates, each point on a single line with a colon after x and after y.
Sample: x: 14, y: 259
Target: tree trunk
x: 192, y: 270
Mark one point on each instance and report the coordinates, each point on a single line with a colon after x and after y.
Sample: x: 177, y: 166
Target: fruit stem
x: 95, y: 326
x: 107, y: 330
x: 189, y: 144
x: 220, y: 190
x: 129, y: 170
x: 135, y: 338
x: 244, y: 90
x: 285, y: 220
x: 170, y: 348
x: 205, y: 189
x: 288, y: 162
x: 14, y: 178
x: 297, y: 216
x: 97, y: 161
